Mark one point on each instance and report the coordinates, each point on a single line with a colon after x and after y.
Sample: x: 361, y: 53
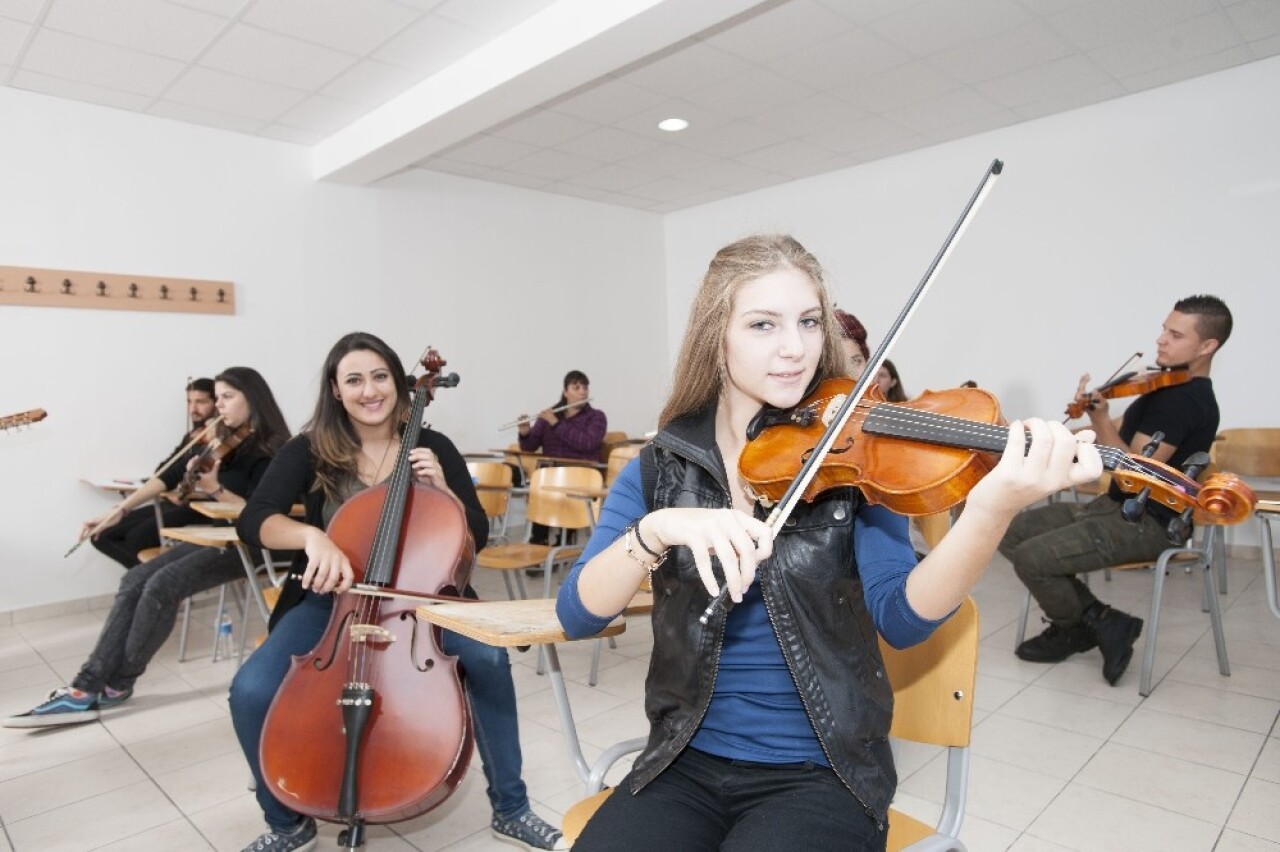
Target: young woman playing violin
x: 145, y: 609
x: 137, y: 531
x: 769, y: 724
x: 1050, y: 545
x: 350, y: 444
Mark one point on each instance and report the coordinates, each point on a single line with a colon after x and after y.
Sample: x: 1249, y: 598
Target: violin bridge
x: 833, y: 408
x: 371, y: 633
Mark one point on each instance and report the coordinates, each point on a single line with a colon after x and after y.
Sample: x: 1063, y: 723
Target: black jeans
x: 703, y: 802
x: 137, y: 531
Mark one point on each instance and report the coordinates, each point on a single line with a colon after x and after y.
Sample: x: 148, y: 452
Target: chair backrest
x: 496, y: 475
x: 1248, y: 452
x: 554, y: 509
x: 529, y: 463
x: 618, y: 459
x: 933, y: 527
x: 933, y: 682
x: 609, y: 442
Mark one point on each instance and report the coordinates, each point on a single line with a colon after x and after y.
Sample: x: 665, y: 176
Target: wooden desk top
x: 231, y: 511
x: 510, y: 623
x: 578, y: 491
x: 124, y: 486
x: 203, y: 536
x: 559, y: 460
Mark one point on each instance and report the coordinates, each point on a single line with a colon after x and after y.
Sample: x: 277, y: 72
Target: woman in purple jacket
x: 571, y: 428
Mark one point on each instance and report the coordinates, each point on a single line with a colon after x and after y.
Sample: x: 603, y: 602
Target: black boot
x: 1056, y: 643
x: 1115, y: 632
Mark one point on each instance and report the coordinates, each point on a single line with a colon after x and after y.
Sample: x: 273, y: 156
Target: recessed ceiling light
x: 671, y: 125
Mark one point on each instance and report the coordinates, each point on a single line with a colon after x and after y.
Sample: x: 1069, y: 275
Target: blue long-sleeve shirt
x: 755, y: 712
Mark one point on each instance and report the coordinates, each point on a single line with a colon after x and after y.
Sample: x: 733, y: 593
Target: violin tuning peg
x: 1135, y: 507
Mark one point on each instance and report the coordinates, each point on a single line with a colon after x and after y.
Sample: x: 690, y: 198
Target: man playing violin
x: 1051, y: 545
x: 137, y: 531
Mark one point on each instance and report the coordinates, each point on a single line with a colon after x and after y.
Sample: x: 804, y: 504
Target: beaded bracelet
x: 650, y: 567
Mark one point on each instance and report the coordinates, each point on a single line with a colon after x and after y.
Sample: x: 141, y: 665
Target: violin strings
x: 947, y: 425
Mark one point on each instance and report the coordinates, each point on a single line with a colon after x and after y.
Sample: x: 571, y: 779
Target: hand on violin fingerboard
x: 1056, y: 459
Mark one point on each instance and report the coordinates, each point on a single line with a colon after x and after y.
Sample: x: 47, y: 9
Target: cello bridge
x: 371, y: 633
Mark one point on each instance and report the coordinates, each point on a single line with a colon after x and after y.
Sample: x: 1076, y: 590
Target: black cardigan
x: 291, y: 479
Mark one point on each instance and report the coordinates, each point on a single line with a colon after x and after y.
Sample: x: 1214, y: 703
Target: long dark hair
x: 270, y: 430
x: 896, y: 393
x: 334, y: 441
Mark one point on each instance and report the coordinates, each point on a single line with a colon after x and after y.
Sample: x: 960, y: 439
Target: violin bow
x: 809, y: 470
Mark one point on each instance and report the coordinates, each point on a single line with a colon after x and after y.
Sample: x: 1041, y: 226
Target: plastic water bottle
x: 222, y: 648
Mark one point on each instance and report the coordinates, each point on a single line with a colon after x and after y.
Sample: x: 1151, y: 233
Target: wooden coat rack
x: 61, y: 288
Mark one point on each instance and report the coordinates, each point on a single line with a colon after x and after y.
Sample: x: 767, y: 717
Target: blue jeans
x: 704, y: 803
x: 489, y: 689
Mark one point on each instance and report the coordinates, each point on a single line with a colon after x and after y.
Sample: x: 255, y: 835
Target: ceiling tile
x: 860, y: 135
x: 906, y: 84
x: 208, y: 117
x: 1229, y: 58
x: 370, y: 82
x: 221, y: 8
x: 12, y: 36
x: 491, y: 151
x: 453, y: 167
x: 728, y: 140
x: 552, y: 164
x: 1072, y: 100
x: 345, y: 25
x: 1106, y: 21
x: 614, y: 178
x: 937, y: 25
x: 1052, y: 80
x: 810, y: 115
x: 788, y: 28
x: 321, y: 114
x: 865, y: 11
x: 290, y: 134
x: 780, y: 157
x: 429, y: 45
x: 43, y: 83
x: 645, y: 122
x: 515, y: 179
x: 994, y: 56
x: 848, y: 56
x: 1263, y: 48
x: 735, y: 176
x: 21, y: 10
x: 751, y: 92
x: 669, y: 160
x: 490, y: 16
x: 98, y: 64
x: 607, y: 102
x: 207, y: 89
x: 543, y: 128
x: 953, y: 108
x: 151, y: 26
x: 667, y: 189
x: 1170, y: 46
x: 608, y: 145
x: 1256, y: 19
x: 250, y: 52
x: 973, y: 125
x: 678, y: 72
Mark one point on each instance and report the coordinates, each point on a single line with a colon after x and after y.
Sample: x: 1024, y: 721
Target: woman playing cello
x: 350, y: 444
x: 769, y: 724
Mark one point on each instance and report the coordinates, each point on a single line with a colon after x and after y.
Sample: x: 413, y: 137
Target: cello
x: 372, y: 725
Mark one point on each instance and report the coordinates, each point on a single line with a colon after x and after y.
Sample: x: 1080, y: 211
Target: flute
x: 514, y: 423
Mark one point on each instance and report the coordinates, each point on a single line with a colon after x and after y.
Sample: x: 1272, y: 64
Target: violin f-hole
x: 835, y: 451
x: 413, y: 643
x: 321, y: 665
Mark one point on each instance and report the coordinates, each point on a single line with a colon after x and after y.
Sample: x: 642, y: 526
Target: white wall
x: 513, y: 287
x: 1103, y: 218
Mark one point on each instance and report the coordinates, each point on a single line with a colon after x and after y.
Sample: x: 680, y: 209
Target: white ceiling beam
x: 564, y: 46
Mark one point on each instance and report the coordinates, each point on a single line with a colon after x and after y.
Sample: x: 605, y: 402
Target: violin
x: 372, y: 725
x: 1129, y: 384
x: 924, y: 456
x: 212, y: 452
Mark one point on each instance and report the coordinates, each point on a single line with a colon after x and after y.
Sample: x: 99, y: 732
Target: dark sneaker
x: 527, y: 830
x: 64, y: 706
x: 1115, y: 633
x: 300, y: 839
x: 112, y: 698
x: 1057, y: 643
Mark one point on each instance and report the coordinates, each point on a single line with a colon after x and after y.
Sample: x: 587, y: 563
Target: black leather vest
x: 813, y: 594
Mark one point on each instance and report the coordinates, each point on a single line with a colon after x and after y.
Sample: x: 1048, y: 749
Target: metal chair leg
x: 186, y: 623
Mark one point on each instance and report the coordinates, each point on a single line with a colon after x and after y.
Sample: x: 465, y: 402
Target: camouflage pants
x: 1050, y: 545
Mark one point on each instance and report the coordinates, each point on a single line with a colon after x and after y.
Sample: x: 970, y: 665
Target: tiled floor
x: 1060, y: 759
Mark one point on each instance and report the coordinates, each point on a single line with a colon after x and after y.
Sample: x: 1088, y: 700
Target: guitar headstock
x: 23, y: 418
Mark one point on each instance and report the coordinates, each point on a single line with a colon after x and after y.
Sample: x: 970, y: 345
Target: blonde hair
x: 701, y: 367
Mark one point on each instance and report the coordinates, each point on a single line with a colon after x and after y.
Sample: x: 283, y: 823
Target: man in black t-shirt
x: 1050, y: 545
x: 137, y: 531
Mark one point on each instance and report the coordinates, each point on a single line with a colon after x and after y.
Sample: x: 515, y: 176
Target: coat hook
x: 66, y: 286
x: 102, y: 288
x: 193, y: 293
x: 164, y: 291
x: 31, y: 284
x: 133, y: 290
